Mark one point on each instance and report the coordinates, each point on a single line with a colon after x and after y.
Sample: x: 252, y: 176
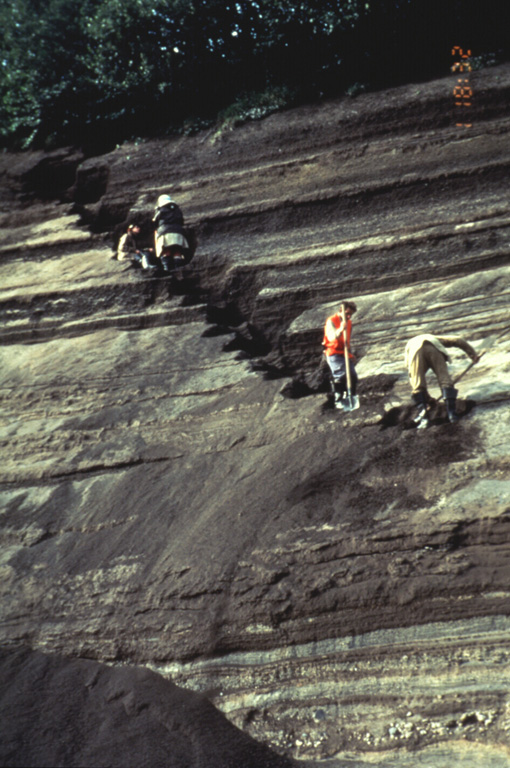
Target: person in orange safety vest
x: 334, y: 350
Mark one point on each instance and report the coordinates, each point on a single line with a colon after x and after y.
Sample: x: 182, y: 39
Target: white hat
x: 164, y: 200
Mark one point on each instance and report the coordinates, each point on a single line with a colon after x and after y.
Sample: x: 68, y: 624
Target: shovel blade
x: 351, y: 402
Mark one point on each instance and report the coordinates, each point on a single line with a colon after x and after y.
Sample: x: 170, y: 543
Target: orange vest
x: 336, y: 347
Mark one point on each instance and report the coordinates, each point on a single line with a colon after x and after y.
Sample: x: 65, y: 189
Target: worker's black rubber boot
x: 167, y: 262
x: 421, y: 418
x: 450, y: 396
x: 339, y: 389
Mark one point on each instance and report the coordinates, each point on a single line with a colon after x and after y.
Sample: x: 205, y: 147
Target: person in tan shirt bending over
x: 427, y: 352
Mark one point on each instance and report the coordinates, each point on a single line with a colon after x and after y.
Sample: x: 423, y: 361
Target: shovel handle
x: 468, y: 368
x: 488, y: 344
x: 346, y: 351
x: 471, y: 364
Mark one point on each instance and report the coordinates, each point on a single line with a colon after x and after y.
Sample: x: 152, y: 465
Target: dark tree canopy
x: 104, y: 70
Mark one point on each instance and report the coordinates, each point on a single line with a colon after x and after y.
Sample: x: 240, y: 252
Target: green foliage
x: 97, y: 71
x: 355, y: 89
x: 41, y: 72
x: 252, y: 106
x: 484, y: 61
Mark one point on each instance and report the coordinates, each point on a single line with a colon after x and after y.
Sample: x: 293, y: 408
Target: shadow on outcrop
x: 373, y: 389
x: 402, y: 416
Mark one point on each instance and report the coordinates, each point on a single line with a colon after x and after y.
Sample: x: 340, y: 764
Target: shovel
x: 484, y: 348
x: 350, y: 401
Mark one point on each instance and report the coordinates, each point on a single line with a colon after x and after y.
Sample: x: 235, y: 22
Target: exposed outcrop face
x: 178, y: 492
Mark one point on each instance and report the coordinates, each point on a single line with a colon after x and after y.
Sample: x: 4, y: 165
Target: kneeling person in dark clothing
x: 172, y: 248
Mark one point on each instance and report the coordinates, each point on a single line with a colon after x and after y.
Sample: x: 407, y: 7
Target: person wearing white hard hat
x: 172, y: 247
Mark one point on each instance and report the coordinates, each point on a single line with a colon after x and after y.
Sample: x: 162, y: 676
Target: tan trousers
x: 426, y: 358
